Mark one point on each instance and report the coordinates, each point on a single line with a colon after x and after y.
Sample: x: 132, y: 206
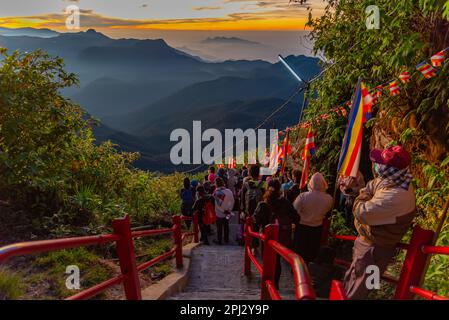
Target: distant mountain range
x: 143, y: 89
x: 228, y: 40
x: 29, y: 32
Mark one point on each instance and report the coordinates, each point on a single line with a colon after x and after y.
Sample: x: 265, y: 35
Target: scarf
x: 397, y: 177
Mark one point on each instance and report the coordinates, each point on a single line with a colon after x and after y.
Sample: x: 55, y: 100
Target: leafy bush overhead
x: 410, y: 31
x: 50, y: 167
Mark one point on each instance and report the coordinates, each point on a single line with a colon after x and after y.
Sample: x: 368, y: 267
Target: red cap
x: 395, y: 156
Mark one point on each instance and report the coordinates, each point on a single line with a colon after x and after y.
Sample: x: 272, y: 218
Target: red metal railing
x: 123, y: 237
x: 412, y: 270
x: 272, y: 248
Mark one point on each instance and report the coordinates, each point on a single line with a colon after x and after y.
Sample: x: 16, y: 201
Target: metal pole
x: 290, y: 69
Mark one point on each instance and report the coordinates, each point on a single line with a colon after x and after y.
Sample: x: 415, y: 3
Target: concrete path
x: 216, y: 273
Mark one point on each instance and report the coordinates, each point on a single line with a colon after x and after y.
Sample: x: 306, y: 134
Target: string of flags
x: 309, y: 151
x: 428, y: 70
x: 360, y: 113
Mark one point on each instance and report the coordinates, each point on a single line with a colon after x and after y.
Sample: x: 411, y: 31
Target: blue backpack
x: 187, y: 196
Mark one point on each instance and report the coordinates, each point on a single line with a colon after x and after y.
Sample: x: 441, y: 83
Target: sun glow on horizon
x: 212, y: 15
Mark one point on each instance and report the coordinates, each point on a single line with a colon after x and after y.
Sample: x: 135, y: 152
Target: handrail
x: 254, y: 260
x: 123, y: 237
x: 426, y: 294
x: 154, y: 232
x: 303, y: 284
x: 435, y: 250
x: 97, y: 289
x: 400, y: 245
x: 25, y: 248
x: 156, y: 260
x: 274, y: 294
x: 414, y: 265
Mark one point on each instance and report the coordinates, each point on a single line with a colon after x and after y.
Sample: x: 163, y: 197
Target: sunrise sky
x: 129, y: 15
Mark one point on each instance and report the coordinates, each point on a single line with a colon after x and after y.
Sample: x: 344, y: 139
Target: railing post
x: 269, y: 260
x: 127, y: 258
x: 177, y: 235
x: 196, y: 228
x: 337, y: 291
x: 248, y: 226
x: 414, y: 263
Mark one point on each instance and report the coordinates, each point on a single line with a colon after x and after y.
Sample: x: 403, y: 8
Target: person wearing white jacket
x: 224, y: 203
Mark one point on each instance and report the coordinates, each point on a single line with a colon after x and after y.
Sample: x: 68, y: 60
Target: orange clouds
x: 275, y: 19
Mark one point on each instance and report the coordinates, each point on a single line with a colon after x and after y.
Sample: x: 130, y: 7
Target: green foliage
x: 11, y: 285
x: 410, y: 32
x: 50, y: 166
x: 163, y: 269
x: 154, y: 248
x: 92, y: 271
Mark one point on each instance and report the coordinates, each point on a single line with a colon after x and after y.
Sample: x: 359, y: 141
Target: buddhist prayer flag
x: 305, y: 173
x: 427, y: 70
x: 285, y: 152
x: 343, y: 111
x: 309, y: 148
x: 280, y: 154
x: 274, y: 156
x: 349, y: 162
x: 439, y: 58
x: 394, y: 88
x: 405, y: 77
x: 368, y: 103
x: 379, y: 91
x: 309, y: 151
x: 232, y: 163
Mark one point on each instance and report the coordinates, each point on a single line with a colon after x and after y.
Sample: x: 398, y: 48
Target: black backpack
x: 254, y: 195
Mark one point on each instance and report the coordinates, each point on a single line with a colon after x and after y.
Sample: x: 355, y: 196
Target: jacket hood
x: 318, y: 183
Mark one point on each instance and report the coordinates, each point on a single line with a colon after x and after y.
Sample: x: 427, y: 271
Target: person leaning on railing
x: 383, y: 212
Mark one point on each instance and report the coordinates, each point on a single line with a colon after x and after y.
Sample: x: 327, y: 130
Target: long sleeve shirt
x: 224, y: 201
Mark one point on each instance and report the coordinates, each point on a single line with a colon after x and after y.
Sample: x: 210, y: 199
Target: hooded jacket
x: 383, y: 212
x: 312, y: 206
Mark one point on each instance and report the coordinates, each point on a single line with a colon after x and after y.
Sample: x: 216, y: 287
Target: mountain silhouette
x: 143, y: 89
x: 29, y: 32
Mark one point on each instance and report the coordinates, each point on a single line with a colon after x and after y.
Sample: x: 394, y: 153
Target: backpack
x: 209, y: 216
x: 187, y: 196
x: 253, y: 197
x: 293, y: 192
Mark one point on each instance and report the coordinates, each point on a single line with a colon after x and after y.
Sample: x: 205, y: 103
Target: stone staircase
x: 216, y: 273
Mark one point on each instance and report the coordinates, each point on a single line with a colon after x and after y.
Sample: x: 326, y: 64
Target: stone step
x: 216, y: 273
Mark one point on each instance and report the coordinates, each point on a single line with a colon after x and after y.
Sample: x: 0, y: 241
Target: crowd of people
x: 381, y: 211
